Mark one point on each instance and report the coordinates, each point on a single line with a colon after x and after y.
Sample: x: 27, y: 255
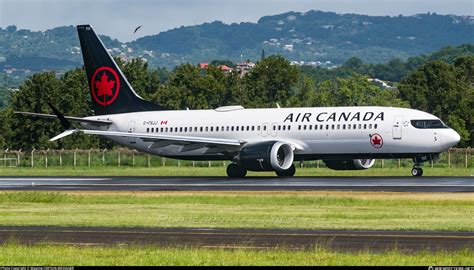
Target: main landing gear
x: 235, y: 171
x: 287, y: 173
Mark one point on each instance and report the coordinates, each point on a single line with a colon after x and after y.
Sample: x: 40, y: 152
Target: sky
x: 118, y: 18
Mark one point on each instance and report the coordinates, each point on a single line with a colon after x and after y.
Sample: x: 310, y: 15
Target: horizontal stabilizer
x: 70, y: 118
x: 64, y: 134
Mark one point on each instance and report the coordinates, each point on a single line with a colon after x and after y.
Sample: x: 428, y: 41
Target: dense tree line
x: 392, y: 71
x: 443, y: 89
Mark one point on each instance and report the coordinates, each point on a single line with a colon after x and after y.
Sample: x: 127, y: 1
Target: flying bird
x: 136, y: 29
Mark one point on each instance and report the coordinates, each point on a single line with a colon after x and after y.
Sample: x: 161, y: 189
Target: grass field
x: 216, y: 171
x: 13, y: 254
x: 242, y: 209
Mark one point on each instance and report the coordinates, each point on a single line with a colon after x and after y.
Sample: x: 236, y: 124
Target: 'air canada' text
x: 327, y: 117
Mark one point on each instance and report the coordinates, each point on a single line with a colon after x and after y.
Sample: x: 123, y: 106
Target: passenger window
x: 375, y: 126
x: 212, y: 129
x: 147, y: 130
x: 310, y: 127
x: 370, y: 126
x: 248, y: 128
x: 304, y: 127
x: 180, y: 129
x: 253, y: 128
x: 338, y: 126
x: 332, y: 127
x: 365, y: 126
x: 200, y: 129
x: 289, y: 127
x: 344, y: 126
x: 299, y: 127
x: 264, y: 128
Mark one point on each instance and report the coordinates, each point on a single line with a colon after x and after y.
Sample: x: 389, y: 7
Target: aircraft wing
x: 70, y: 118
x: 190, y: 143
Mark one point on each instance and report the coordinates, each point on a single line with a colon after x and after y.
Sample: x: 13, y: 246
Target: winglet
x: 64, y: 122
x: 64, y: 134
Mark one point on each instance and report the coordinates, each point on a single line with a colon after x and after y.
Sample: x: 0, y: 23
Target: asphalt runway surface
x: 166, y: 183
x: 376, y: 241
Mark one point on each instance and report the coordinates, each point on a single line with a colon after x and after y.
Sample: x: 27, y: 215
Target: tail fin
x: 111, y: 93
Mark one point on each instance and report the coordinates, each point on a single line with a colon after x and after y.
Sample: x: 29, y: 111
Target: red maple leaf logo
x: 376, y: 140
x: 104, y: 86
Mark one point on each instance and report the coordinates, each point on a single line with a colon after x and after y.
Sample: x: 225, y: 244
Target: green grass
x: 216, y: 171
x: 246, y: 209
x: 45, y: 255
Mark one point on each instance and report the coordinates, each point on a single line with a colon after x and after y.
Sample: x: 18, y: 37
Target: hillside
x: 311, y: 37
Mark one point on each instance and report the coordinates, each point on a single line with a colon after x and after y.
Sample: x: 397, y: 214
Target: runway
x: 166, y: 183
x: 405, y: 241
x: 428, y: 184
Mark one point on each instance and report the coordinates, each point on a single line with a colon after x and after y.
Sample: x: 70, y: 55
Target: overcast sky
x: 118, y: 18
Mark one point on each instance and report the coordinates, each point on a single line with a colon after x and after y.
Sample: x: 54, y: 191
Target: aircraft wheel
x: 235, y: 171
x: 287, y: 173
x: 417, y: 171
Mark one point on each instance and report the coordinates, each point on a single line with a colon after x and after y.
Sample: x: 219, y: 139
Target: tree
x: 143, y: 80
x: 306, y: 95
x: 31, y: 97
x: 271, y: 80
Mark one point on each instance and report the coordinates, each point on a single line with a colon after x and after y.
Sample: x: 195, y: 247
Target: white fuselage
x: 316, y: 133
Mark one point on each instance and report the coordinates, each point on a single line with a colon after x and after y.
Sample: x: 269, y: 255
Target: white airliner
x: 345, y: 138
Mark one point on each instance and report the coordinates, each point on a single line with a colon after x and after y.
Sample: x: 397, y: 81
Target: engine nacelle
x: 350, y: 164
x: 266, y: 156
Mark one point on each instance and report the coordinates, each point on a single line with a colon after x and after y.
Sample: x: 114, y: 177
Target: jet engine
x: 266, y: 156
x: 350, y: 164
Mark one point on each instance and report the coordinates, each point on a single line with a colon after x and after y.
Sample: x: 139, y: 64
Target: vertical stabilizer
x: 110, y: 91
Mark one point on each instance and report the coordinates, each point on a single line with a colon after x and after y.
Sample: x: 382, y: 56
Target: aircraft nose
x: 453, y: 138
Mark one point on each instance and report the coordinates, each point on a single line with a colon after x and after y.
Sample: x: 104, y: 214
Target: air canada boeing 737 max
x: 345, y: 138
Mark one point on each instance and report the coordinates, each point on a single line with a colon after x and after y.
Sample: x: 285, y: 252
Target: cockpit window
x: 428, y: 124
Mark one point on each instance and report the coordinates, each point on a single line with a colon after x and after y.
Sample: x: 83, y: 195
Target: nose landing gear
x: 417, y: 171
